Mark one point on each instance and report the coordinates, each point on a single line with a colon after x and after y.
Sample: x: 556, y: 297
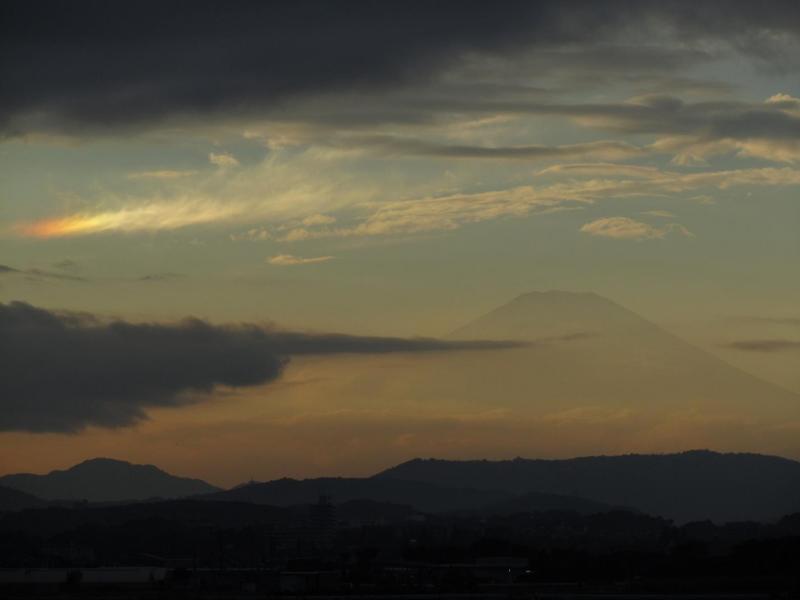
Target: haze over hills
x: 106, y: 480
x: 689, y: 486
x: 695, y: 485
x: 590, y: 350
x: 11, y: 499
x: 425, y: 496
x: 542, y: 502
x: 595, y: 378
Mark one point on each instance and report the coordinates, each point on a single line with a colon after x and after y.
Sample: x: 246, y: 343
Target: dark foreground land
x: 195, y: 549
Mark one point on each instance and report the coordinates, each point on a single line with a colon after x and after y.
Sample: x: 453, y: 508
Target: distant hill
x: 390, y: 497
x: 355, y: 512
x: 427, y: 497
x: 106, y: 480
x: 163, y: 516
x: 689, y: 486
x: 11, y: 499
x: 542, y: 502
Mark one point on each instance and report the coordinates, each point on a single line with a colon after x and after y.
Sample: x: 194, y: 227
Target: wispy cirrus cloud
x: 318, y: 219
x: 284, y: 187
x: 660, y: 214
x: 161, y: 175
x: 289, y: 260
x: 242, y: 200
x: 149, y: 216
x: 447, y: 213
x: 694, y: 132
x: 442, y: 213
x: 624, y: 228
x: 392, y: 145
x: 603, y: 170
x: 223, y: 160
x: 255, y: 234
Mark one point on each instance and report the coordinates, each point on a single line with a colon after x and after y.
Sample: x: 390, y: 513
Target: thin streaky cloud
x: 223, y: 160
x: 765, y: 345
x: 36, y: 273
x: 161, y: 175
x: 603, y: 169
x: 289, y: 260
x: 390, y: 216
x: 625, y: 228
x: 403, y: 146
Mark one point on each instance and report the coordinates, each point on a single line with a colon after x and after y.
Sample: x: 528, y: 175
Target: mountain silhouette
x: 593, y: 378
x: 372, y: 511
x: 587, y: 350
x: 11, y: 499
x: 106, y: 480
x: 388, y: 492
x: 425, y: 496
x: 541, y: 502
x: 688, y: 486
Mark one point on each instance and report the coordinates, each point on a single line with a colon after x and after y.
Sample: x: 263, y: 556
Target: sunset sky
x: 385, y: 169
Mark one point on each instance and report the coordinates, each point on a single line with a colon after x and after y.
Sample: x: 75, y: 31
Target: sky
x: 195, y: 195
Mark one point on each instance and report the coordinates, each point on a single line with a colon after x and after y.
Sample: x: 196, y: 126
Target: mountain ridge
x: 13, y: 500
x: 685, y: 486
x: 692, y: 485
x: 587, y: 350
x: 106, y: 480
x: 421, y: 495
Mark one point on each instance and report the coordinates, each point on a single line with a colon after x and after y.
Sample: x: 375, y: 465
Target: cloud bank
x: 66, y: 371
x: 205, y: 59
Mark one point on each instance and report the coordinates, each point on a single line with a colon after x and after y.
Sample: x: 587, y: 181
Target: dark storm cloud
x: 770, y: 345
x: 100, y: 66
x: 65, y: 371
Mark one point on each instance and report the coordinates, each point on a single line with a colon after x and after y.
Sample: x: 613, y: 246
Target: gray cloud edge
x: 206, y: 58
x: 62, y: 372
